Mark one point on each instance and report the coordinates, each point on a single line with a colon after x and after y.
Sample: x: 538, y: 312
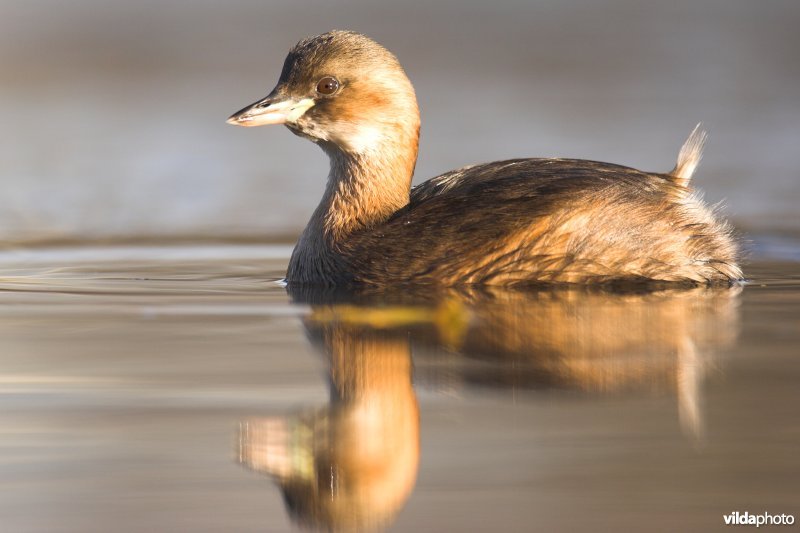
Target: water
x: 180, y: 388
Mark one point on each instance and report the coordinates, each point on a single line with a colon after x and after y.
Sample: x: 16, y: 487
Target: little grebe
x: 507, y: 222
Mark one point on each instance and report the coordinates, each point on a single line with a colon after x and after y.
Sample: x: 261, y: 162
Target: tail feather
x: 689, y: 156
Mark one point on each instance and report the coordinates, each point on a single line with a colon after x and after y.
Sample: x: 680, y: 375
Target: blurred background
x: 113, y: 111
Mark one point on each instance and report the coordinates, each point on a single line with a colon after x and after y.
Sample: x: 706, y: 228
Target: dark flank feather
x: 546, y: 220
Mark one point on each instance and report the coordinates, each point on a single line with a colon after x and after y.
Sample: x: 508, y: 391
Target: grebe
x: 501, y: 223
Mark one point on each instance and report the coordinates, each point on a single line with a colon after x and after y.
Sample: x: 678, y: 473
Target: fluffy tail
x: 689, y: 156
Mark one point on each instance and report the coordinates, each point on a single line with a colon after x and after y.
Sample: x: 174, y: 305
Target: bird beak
x: 274, y: 109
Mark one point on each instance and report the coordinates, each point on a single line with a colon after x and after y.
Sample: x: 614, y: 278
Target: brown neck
x: 364, y: 189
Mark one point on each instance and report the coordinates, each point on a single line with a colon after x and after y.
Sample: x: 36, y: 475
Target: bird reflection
x: 352, y: 464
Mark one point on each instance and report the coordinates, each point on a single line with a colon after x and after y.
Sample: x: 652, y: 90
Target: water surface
x: 182, y: 389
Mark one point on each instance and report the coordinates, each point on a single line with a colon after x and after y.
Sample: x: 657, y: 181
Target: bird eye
x: 327, y: 85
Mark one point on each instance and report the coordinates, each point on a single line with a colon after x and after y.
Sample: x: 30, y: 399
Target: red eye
x: 328, y: 85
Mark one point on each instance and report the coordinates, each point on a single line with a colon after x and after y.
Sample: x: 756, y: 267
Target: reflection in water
x: 352, y: 465
x: 604, y: 342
